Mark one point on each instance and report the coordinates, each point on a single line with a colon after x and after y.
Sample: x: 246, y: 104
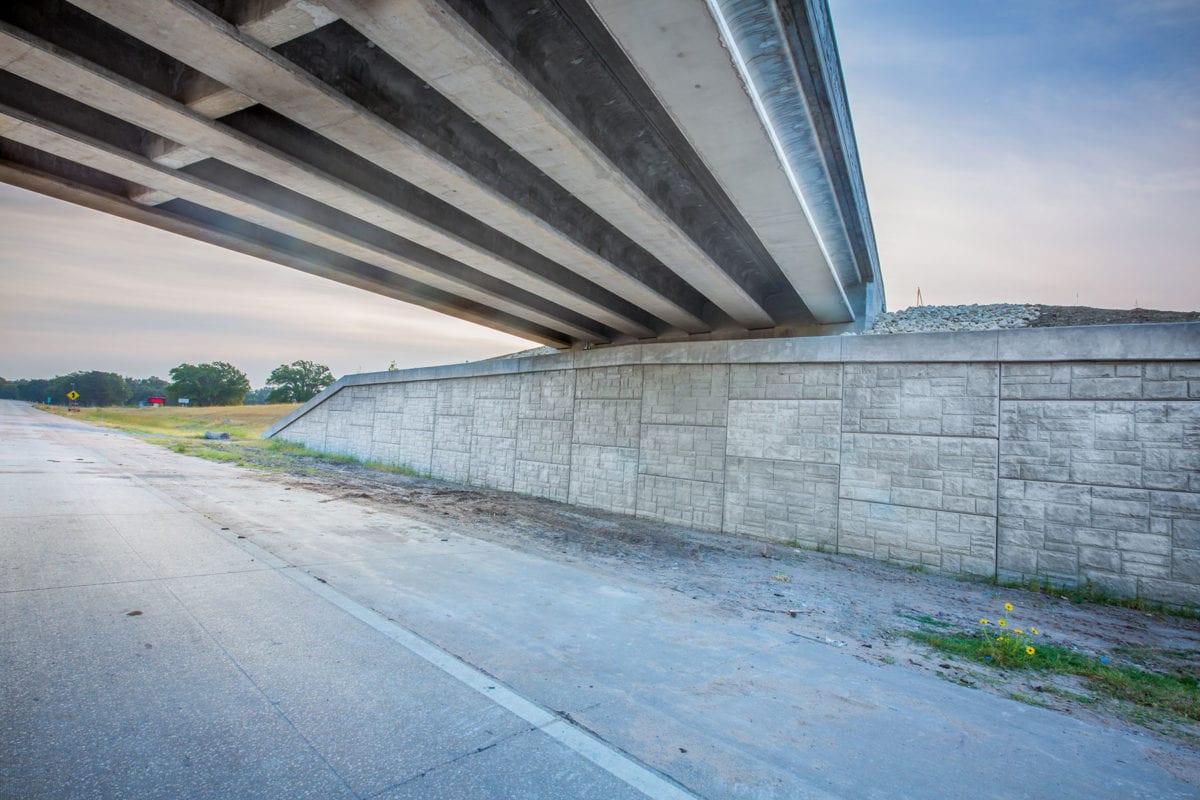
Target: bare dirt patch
x: 862, y: 606
x: 1059, y: 316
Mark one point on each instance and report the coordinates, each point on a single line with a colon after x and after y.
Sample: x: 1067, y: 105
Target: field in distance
x: 240, y: 422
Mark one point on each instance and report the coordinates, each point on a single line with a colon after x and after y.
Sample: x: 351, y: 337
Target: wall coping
x: 1171, y: 341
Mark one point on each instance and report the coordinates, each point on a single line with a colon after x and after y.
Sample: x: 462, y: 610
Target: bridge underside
x: 575, y: 172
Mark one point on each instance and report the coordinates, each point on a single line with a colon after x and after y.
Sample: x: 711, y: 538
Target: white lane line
x: 603, y: 755
x: 608, y: 758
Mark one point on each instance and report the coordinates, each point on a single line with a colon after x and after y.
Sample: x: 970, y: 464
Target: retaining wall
x: 1071, y: 454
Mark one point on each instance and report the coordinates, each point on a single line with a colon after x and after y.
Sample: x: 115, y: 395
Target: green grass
x: 1176, y: 692
x: 1087, y: 592
x: 925, y: 620
x: 182, y: 430
x: 240, y: 422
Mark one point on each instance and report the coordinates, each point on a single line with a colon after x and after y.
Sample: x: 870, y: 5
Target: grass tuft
x: 181, y: 430
x: 1159, y: 686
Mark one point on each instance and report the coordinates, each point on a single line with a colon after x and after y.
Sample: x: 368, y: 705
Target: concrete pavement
x: 341, y: 651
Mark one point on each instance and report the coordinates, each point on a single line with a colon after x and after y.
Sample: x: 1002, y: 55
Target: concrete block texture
x: 941, y: 473
x: 685, y: 394
x: 1151, y: 444
x: 493, y: 462
x: 547, y: 395
x: 612, y: 423
x: 538, y: 479
x: 692, y: 452
x: 1071, y: 471
x: 942, y: 540
x: 785, y: 381
x: 782, y: 501
x: 545, y: 441
x: 609, y: 383
x: 697, y: 504
x: 790, y: 430
x: 1131, y: 541
x: 604, y: 477
x: 938, y: 399
x: 1113, y: 380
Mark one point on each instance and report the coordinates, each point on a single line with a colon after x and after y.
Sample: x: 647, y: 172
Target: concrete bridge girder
x: 41, y: 63
x: 548, y: 162
x: 202, y: 41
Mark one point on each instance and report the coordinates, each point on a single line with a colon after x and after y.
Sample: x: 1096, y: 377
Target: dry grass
x: 240, y: 422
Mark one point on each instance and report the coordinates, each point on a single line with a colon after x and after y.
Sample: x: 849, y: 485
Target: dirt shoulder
x: 864, y: 607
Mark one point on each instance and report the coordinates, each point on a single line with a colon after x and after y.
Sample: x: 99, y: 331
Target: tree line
x: 214, y: 384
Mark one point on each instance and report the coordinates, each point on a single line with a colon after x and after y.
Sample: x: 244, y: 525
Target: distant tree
x: 142, y: 389
x: 95, y: 388
x: 8, y: 390
x: 257, y: 397
x: 35, y: 390
x: 215, y: 384
x: 298, y: 382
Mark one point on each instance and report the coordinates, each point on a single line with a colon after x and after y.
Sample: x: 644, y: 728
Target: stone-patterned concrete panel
x: 498, y: 387
x: 340, y: 423
x: 782, y: 501
x: 1083, y: 470
x: 943, y: 473
x: 385, y: 453
x: 389, y: 398
x: 342, y: 446
x: 943, y: 540
x: 451, y: 465
x: 695, y: 452
x: 452, y: 434
x: 415, y: 450
x: 496, y: 417
x: 939, y: 399
x: 418, y: 413
x: 387, y: 428
x: 551, y: 481
x: 456, y: 397
x: 612, y: 423
x: 604, y: 477
x: 544, y: 440
x: 790, y: 430
x: 547, y: 395
x: 1117, y: 538
x: 308, y: 431
x: 493, y: 461
x: 1099, y: 381
x: 426, y: 389
x: 1144, y: 444
x: 680, y: 501
x: 685, y: 394
x: 609, y: 383
x: 340, y: 401
x: 785, y: 381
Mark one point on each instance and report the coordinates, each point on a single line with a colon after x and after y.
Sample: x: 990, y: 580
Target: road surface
x: 170, y: 627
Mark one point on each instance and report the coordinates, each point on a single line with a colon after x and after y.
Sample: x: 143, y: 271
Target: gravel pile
x: 919, y: 319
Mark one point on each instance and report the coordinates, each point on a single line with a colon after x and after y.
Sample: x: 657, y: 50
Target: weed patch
x: 999, y: 643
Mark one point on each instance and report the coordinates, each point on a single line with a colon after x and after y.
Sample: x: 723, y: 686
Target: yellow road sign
x: 72, y: 395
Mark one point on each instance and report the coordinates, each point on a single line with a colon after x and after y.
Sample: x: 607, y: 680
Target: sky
x: 1020, y: 151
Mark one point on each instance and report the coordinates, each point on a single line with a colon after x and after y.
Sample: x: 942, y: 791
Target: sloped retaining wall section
x: 1071, y: 454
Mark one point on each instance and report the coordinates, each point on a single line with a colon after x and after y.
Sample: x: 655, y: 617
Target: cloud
x: 84, y: 290
x: 1010, y: 157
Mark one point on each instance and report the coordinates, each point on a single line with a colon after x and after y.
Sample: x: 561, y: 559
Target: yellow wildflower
x: 1029, y: 651
x: 1008, y: 606
x: 1001, y: 622
x: 1034, y: 631
x: 1017, y: 630
x: 999, y: 638
x: 983, y: 622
